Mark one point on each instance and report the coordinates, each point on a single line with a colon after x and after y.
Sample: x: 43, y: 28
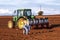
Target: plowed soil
x: 35, y: 34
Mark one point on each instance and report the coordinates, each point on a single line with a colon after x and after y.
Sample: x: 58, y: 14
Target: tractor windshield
x: 28, y: 13
x: 20, y: 13
x: 25, y: 12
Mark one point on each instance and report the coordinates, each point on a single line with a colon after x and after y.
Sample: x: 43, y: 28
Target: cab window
x: 28, y: 13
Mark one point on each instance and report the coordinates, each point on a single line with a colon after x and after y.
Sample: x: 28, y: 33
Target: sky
x: 49, y: 7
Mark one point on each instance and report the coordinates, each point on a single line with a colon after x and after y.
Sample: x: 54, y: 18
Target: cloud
x: 48, y: 6
x: 53, y: 3
x: 50, y: 11
x: 5, y: 12
x: 46, y: 11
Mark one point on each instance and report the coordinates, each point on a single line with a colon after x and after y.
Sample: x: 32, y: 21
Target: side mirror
x: 14, y: 11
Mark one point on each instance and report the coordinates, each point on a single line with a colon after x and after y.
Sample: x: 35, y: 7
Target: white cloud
x: 20, y: 2
x: 5, y: 12
x: 50, y: 11
x: 13, y: 2
x: 46, y: 11
x: 53, y: 3
x: 33, y: 4
x: 35, y: 10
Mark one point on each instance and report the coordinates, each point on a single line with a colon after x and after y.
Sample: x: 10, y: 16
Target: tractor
x: 24, y: 13
x: 21, y: 13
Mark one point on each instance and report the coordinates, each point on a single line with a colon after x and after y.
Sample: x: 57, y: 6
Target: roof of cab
x: 24, y: 9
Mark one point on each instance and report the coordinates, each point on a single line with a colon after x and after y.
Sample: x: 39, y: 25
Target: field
x: 35, y: 34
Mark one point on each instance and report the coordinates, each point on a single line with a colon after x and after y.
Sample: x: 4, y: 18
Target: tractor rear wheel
x: 10, y: 24
x: 20, y: 23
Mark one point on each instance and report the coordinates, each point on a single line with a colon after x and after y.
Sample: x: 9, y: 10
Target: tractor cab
x: 23, y: 12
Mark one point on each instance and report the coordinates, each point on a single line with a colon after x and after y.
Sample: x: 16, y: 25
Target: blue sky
x: 49, y: 7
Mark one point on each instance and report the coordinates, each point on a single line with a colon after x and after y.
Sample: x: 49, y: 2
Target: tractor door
x: 27, y: 13
x: 20, y: 13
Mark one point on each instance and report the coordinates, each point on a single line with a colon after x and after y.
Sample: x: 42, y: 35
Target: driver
x: 26, y: 28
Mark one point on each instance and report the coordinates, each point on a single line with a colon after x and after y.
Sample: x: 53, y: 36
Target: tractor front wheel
x: 10, y: 24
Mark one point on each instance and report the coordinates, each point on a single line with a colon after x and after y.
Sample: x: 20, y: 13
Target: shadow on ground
x: 54, y: 25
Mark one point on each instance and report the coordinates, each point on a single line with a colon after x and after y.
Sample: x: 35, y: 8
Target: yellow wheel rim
x: 20, y: 23
x: 10, y: 24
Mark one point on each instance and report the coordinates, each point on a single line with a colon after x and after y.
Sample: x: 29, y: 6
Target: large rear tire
x: 20, y: 23
x: 10, y: 24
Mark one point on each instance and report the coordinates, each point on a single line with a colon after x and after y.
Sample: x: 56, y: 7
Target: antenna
x: 40, y: 7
